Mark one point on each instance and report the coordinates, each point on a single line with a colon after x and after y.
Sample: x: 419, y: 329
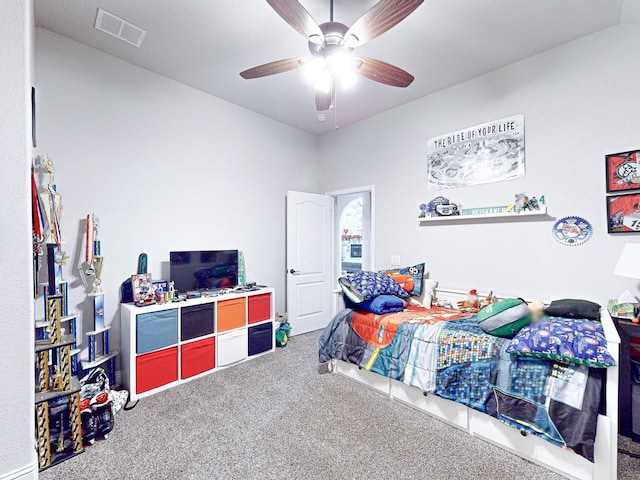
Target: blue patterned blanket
x: 441, y: 353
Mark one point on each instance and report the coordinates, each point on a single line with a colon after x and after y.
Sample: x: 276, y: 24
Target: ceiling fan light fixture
x: 342, y: 67
x: 339, y: 61
x: 316, y: 39
x: 313, y: 68
x: 351, y: 41
x: 331, y: 47
x: 348, y: 79
x: 323, y: 83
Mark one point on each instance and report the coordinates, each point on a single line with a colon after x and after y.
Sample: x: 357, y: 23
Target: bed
x: 440, y: 362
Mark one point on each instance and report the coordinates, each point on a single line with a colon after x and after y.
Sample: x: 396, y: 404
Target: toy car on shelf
x: 443, y: 208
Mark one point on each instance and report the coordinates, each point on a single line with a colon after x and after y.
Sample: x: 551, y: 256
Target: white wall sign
x: 491, y: 152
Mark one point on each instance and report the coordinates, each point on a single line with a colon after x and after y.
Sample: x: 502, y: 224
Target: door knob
x: 294, y: 272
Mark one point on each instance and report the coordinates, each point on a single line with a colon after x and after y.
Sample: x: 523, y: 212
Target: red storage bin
x: 197, y: 357
x: 156, y: 369
x: 259, y: 307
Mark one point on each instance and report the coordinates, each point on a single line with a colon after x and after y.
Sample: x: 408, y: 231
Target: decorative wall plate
x: 572, y: 231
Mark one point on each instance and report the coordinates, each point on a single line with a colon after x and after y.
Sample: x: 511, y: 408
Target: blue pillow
x: 379, y: 305
x: 410, y: 278
x: 362, y: 286
x: 569, y: 340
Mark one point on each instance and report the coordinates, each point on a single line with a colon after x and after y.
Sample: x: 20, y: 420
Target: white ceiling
x: 207, y: 43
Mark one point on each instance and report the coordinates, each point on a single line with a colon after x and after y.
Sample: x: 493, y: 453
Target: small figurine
x: 488, y: 300
x: 471, y: 304
x: 520, y: 202
x: 472, y: 298
x: 172, y: 291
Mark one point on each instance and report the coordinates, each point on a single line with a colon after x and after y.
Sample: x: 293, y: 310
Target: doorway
x: 353, y: 234
x: 327, y: 236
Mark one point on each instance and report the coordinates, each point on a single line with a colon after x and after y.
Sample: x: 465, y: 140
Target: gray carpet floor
x: 282, y: 416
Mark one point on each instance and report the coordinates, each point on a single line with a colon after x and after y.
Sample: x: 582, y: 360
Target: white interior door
x: 309, y: 236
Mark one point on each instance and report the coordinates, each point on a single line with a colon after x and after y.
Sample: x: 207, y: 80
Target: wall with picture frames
x: 623, y: 192
x: 579, y: 103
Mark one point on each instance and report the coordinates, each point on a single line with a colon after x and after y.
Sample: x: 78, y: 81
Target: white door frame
x: 336, y: 303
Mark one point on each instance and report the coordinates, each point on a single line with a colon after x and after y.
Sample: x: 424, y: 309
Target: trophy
x: 96, y: 264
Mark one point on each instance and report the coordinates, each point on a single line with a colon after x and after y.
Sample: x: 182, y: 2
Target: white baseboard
x: 28, y: 472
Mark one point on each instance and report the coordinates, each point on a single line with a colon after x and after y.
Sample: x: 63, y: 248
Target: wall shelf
x: 462, y: 218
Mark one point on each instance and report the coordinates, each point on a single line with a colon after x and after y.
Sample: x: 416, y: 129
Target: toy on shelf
x: 522, y: 203
x: 126, y: 290
x: 439, y: 207
x: 143, y: 289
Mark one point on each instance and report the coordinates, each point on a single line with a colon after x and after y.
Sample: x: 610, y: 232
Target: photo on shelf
x: 622, y: 171
x: 143, y: 289
x: 623, y: 213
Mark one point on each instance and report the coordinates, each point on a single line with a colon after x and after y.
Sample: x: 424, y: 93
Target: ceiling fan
x: 331, y: 45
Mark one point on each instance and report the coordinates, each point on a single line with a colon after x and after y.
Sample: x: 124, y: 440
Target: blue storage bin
x: 260, y: 338
x: 635, y: 370
x: 156, y: 330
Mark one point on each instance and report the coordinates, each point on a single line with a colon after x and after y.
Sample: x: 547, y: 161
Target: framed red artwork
x: 623, y: 213
x: 622, y: 171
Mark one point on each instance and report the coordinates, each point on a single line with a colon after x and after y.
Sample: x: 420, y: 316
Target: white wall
x: 164, y: 167
x: 17, y: 454
x: 580, y: 101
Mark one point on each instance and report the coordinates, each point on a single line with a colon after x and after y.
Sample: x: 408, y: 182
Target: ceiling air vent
x: 117, y: 27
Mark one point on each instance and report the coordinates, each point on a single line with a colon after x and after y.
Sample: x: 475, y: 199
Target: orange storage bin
x: 197, y: 357
x: 156, y: 369
x: 231, y: 314
x: 259, y: 308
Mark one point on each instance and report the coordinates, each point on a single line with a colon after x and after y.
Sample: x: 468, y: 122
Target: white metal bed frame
x: 492, y: 430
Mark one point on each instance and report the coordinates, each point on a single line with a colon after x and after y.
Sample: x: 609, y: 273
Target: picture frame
x: 622, y: 173
x: 623, y: 213
x: 143, y: 291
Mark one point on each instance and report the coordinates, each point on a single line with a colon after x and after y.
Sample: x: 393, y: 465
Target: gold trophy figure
x: 96, y: 264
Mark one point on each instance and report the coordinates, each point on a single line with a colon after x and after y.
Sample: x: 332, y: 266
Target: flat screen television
x: 203, y: 270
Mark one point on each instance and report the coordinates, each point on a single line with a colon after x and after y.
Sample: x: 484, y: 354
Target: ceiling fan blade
x: 325, y: 99
x: 383, y: 72
x: 295, y: 15
x: 271, y: 68
x: 378, y: 19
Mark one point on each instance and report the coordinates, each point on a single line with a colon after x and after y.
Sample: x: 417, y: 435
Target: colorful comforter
x: 446, y: 353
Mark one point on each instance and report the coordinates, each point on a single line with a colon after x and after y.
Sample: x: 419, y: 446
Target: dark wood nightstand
x: 626, y: 329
